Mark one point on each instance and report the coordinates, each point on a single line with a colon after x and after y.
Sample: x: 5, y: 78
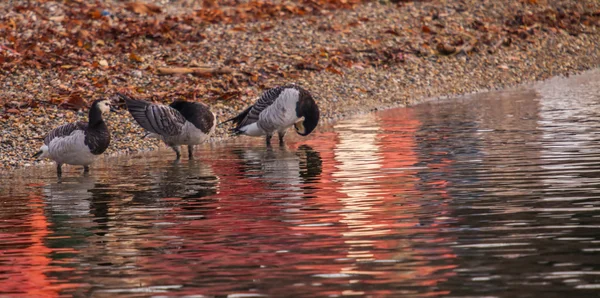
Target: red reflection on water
x: 275, y: 232
x: 24, y: 269
x: 249, y: 228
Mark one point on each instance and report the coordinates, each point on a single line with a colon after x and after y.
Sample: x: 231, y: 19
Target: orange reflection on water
x: 274, y: 220
x: 25, y: 270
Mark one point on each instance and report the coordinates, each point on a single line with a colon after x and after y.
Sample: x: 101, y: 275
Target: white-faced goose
x: 275, y: 111
x: 78, y: 143
x: 180, y: 123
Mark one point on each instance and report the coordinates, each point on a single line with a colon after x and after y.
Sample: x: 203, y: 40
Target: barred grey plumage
x: 181, y: 123
x: 78, y: 143
x: 158, y: 119
x: 265, y: 100
x: 275, y: 111
x: 64, y: 130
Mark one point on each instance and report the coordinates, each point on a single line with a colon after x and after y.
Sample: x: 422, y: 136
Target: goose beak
x: 112, y: 109
x: 299, y: 126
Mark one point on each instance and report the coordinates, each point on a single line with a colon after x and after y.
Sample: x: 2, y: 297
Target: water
x: 493, y: 195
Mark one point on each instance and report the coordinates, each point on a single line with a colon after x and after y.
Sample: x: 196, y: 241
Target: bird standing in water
x: 276, y: 110
x: 78, y: 143
x: 180, y: 123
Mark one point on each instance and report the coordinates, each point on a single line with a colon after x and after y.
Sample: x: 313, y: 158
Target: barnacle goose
x: 275, y: 111
x: 180, y: 123
x: 78, y: 143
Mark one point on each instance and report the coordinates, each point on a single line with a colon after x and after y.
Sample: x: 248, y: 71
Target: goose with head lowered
x: 78, y: 143
x: 276, y: 110
x: 180, y: 123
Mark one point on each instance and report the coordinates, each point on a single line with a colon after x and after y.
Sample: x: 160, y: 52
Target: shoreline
x: 389, y: 64
x: 328, y: 121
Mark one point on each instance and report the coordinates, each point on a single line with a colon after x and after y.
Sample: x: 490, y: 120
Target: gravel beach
x: 56, y: 57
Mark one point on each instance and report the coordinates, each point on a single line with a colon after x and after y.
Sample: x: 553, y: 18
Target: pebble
x: 136, y: 73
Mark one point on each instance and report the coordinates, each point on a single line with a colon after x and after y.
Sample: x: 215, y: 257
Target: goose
x: 276, y: 110
x: 78, y: 143
x: 180, y: 123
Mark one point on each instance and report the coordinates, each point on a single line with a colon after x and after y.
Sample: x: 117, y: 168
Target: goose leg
x: 59, y: 170
x: 177, y: 151
x: 281, y: 134
x: 191, y: 151
x: 268, y: 139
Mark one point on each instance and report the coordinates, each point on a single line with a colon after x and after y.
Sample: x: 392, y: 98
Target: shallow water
x: 492, y: 195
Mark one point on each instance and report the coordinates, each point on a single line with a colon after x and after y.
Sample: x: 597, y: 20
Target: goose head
x: 308, y: 114
x: 103, y: 105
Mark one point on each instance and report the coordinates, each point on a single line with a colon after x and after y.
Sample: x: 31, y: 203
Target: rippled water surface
x: 493, y: 195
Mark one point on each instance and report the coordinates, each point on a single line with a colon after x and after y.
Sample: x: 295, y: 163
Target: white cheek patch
x: 300, y: 127
x: 104, y: 108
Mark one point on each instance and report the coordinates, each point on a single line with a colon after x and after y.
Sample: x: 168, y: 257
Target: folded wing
x: 250, y: 114
x: 158, y: 119
x: 63, y: 131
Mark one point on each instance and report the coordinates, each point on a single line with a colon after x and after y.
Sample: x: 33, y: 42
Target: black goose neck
x: 95, y: 116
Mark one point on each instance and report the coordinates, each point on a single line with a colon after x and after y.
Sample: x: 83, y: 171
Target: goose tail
x: 226, y: 121
x: 137, y: 108
x: 133, y: 105
x: 239, y: 118
x: 235, y: 131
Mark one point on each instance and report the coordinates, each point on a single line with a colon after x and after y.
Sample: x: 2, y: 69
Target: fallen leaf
x: 227, y: 95
x: 331, y: 69
x: 74, y: 102
x: 392, y: 31
x: 143, y: 8
x: 95, y: 13
x: 12, y: 111
x: 135, y: 57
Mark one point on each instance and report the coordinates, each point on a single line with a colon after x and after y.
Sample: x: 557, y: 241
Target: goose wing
x: 250, y: 114
x: 63, y: 131
x: 196, y: 113
x: 158, y: 119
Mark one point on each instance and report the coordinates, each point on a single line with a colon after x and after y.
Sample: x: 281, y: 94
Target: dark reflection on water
x: 495, y: 195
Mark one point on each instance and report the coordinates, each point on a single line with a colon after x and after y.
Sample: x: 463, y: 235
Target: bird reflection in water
x: 70, y: 196
x: 78, y: 205
x: 281, y: 168
x: 194, y: 179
